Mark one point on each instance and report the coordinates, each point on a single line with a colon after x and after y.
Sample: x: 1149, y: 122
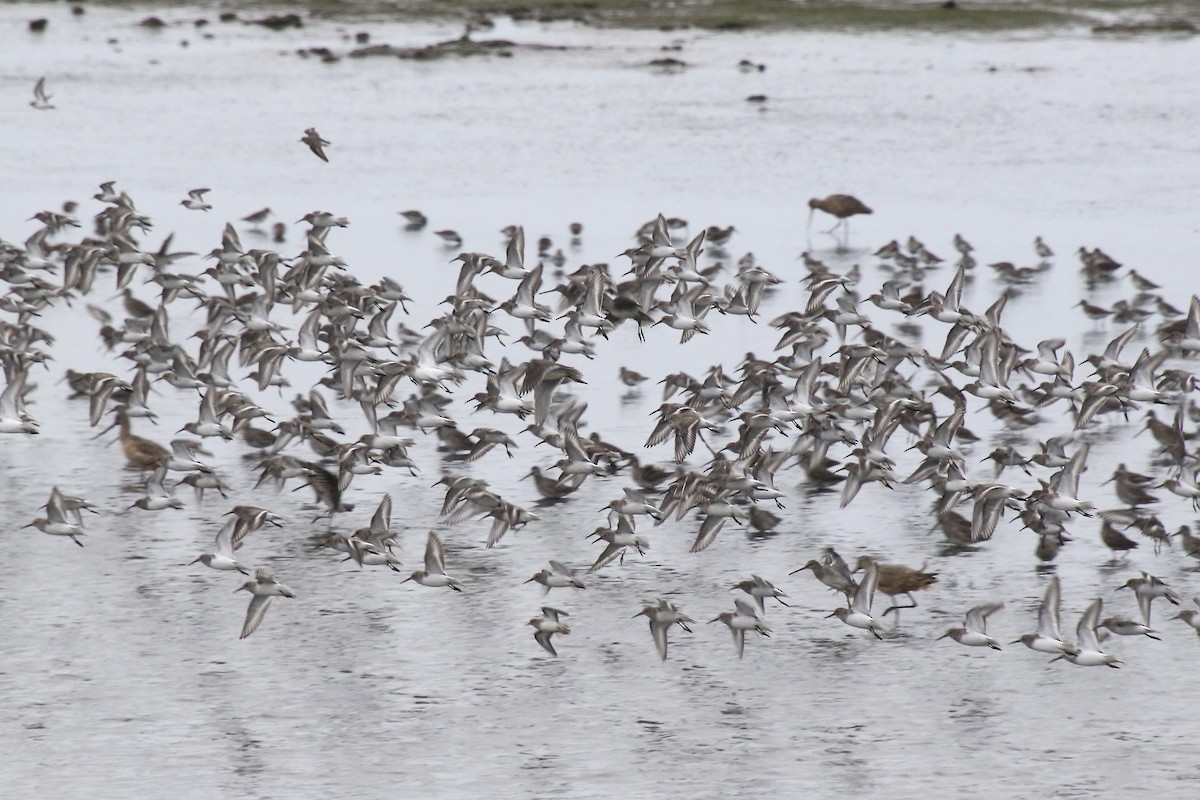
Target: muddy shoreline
x: 951, y: 16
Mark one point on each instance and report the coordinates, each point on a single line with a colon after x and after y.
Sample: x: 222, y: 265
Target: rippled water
x: 122, y: 672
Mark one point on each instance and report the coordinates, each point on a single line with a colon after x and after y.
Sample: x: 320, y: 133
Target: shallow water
x: 122, y: 671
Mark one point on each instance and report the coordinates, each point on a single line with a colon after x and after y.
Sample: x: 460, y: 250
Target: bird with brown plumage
x: 842, y: 206
x: 140, y: 452
x: 897, y: 579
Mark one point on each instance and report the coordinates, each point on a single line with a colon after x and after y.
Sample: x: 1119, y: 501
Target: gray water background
x: 120, y: 668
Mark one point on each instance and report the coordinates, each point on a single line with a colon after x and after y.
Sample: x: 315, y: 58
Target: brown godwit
x: 897, y: 579
x: 141, y: 453
x: 842, y: 206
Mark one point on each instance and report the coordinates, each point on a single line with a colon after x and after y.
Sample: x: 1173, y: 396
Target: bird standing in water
x: 842, y: 206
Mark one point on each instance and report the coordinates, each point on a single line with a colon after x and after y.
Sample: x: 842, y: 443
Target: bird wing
x: 543, y: 638
x: 381, y: 522
x: 709, y: 529
x: 255, y: 614
x: 435, y: 555
x: 659, y: 631
x: 56, y: 510
x: 745, y: 608
x: 864, y: 595
x: 1048, y: 613
x: 1068, y: 481
x: 515, y: 255
x: 1085, y: 632
x: 225, y: 543
x: 977, y: 616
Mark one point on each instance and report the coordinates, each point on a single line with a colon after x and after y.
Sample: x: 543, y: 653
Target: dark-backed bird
x: 842, y: 206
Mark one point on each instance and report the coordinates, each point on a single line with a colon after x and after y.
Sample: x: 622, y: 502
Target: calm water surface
x: 121, y: 670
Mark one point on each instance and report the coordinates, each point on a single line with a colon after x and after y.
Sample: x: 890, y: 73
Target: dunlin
x: 547, y: 625
x: 263, y: 588
x: 973, y: 633
x: 434, y: 573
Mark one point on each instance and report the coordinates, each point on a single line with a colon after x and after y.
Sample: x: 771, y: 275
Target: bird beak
x: 106, y: 430
x: 943, y: 636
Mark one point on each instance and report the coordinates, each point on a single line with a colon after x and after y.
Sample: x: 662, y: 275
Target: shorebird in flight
x: 315, y: 143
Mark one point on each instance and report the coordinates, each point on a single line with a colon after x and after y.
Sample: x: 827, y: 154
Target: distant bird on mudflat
x: 41, y: 100
x: 630, y: 377
x: 258, y: 217
x: 450, y: 237
x: 315, y: 143
x: 1115, y: 540
x: 414, y: 219
x: 842, y: 206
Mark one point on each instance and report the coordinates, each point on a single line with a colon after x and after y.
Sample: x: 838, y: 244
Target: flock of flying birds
x: 825, y: 407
